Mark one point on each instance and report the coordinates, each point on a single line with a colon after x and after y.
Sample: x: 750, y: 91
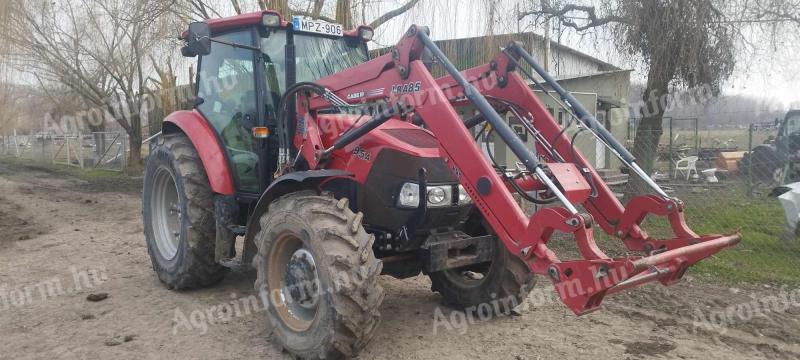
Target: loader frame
x: 562, y: 172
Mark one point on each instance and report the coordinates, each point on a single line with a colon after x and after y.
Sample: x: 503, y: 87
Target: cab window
x: 226, y: 83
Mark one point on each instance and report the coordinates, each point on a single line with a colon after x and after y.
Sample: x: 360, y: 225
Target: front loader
x: 335, y: 169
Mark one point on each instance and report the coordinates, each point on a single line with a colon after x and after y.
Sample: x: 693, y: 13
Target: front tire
x: 178, y: 216
x: 319, y: 275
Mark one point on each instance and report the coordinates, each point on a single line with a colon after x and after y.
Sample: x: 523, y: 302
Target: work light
x: 270, y: 19
x: 366, y: 33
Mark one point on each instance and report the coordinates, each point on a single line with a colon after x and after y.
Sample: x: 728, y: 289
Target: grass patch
x: 761, y: 257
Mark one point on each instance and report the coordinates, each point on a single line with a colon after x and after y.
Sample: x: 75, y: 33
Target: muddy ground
x: 63, y: 239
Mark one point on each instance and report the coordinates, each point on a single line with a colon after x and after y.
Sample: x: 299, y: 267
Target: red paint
x: 204, y: 139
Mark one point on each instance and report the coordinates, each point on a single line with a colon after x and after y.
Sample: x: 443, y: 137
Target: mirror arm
x: 248, y: 47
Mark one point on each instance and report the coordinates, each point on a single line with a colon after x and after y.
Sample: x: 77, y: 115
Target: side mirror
x: 198, y: 40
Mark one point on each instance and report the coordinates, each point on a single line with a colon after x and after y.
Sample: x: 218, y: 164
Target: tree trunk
x: 281, y: 7
x: 99, y: 140
x: 344, y: 13
x: 236, y: 7
x: 135, y: 156
x: 135, y: 136
x: 648, y: 133
x: 317, y: 11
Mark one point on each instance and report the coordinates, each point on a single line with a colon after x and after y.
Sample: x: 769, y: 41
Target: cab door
x: 226, y: 83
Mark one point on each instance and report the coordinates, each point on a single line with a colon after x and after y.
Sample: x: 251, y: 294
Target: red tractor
x: 335, y: 169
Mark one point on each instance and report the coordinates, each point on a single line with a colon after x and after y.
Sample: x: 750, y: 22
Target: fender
x: 285, y: 184
x: 207, y: 144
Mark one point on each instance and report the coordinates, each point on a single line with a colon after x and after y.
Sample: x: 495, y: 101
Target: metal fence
x: 99, y: 150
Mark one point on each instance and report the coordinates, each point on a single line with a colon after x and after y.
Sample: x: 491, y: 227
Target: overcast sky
x: 773, y: 72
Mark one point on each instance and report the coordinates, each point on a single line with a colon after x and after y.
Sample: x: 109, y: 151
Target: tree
x: 683, y: 43
x: 98, y: 49
x: 7, y: 98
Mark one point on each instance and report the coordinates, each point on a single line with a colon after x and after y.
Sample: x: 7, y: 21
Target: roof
x: 227, y: 23
x: 486, y: 42
x: 575, y: 77
x: 221, y: 25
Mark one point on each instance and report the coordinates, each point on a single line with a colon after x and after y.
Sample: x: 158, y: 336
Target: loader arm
x: 409, y: 88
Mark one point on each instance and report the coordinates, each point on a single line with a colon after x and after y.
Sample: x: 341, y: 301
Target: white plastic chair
x: 687, y: 165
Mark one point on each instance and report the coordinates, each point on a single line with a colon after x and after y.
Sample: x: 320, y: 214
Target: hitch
x: 454, y: 249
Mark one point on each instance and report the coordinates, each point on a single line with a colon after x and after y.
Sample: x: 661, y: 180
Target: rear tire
x: 178, y: 216
x: 319, y: 275
x: 767, y: 167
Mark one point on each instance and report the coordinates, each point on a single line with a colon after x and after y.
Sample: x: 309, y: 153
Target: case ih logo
x: 361, y: 94
x: 354, y: 96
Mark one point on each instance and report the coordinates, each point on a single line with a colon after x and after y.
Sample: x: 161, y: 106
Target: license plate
x: 317, y: 26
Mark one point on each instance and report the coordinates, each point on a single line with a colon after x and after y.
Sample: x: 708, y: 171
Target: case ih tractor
x: 335, y: 169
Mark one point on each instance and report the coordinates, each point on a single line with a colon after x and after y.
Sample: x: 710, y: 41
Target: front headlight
x: 463, y: 197
x: 409, y: 196
x: 440, y: 196
x: 436, y: 196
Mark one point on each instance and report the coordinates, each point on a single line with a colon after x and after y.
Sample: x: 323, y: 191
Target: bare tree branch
x: 392, y: 14
x: 592, y: 20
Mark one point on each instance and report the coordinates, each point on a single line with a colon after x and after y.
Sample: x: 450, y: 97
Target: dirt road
x: 62, y: 239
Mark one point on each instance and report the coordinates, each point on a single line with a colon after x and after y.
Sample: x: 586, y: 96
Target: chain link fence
x: 98, y: 150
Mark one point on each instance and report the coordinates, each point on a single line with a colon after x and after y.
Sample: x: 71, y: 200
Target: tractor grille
x: 414, y: 137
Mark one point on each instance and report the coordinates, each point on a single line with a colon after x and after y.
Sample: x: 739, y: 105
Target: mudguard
x: 207, y: 144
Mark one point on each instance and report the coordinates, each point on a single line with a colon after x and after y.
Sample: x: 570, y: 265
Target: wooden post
x: 750, y: 160
x: 80, y: 150
x: 16, y: 144
x: 69, y: 150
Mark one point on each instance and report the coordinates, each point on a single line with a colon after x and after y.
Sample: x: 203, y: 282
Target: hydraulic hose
x: 282, y: 121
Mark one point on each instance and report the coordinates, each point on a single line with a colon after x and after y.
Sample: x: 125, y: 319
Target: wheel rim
x: 166, y: 210
x: 470, y: 276
x: 777, y: 175
x: 293, y: 282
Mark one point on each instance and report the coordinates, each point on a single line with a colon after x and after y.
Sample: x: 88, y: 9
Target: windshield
x: 316, y: 57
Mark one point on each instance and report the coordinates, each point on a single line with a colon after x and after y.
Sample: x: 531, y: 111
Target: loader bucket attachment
x: 582, y: 284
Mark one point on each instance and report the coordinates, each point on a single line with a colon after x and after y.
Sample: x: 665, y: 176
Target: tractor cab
x: 788, y: 139
x: 245, y: 65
